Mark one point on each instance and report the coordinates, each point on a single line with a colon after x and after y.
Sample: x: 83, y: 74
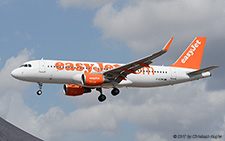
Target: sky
x: 112, y: 31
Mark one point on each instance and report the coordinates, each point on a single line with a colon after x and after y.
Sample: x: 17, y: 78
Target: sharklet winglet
x: 167, y: 46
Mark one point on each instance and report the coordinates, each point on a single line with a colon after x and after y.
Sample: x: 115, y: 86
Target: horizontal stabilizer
x: 202, y: 70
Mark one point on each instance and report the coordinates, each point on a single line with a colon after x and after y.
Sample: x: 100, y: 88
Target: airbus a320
x: 82, y: 77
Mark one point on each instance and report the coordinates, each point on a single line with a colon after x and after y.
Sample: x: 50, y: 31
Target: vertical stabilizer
x: 192, y: 56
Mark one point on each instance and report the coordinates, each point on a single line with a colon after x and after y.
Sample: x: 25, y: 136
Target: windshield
x: 26, y: 65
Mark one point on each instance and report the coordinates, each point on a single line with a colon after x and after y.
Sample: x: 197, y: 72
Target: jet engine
x: 74, y: 90
x: 89, y: 79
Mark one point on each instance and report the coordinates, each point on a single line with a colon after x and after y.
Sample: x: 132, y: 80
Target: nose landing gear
x: 39, y: 92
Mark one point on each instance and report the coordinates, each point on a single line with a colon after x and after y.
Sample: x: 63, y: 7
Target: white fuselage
x: 63, y: 72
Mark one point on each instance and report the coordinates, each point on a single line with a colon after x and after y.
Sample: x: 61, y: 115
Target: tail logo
x: 190, y: 53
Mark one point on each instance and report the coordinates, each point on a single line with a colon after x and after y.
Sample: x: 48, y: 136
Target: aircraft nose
x: 15, y: 73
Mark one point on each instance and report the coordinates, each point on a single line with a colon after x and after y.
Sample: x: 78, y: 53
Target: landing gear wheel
x: 39, y: 92
x: 115, y: 91
x: 102, y: 98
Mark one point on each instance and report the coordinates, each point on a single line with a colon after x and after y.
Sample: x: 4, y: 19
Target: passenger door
x: 173, y: 74
x: 42, y: 68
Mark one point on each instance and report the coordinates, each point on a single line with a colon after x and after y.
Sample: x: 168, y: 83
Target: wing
x: 120, y: 73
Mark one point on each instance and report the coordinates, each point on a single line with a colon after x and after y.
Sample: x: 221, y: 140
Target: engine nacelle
x: 90, y: 79
x: 74, y: 90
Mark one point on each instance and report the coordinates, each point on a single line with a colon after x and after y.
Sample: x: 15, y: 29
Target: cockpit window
x: 26, y: 65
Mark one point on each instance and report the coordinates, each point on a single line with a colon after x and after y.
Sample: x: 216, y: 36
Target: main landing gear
x: 115, y: 91
x: 39, y: 92
x: 102, y: 97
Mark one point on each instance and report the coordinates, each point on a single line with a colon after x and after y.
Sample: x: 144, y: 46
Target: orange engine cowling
x: 90, y: 79
x: 74, y: 90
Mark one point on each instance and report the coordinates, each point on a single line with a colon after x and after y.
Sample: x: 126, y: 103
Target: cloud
x: 148, y: 137
x: 84, y: 3
x: 12, y: 105
x: 9, y: 87
x: 145, y: 24
x: 5, y: 73
x: 22, y: 35
x: 158, y: 113
x: 163, y: 112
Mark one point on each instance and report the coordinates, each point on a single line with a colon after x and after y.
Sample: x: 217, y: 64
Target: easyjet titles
x: 97, y: 67
x: 190, y: 53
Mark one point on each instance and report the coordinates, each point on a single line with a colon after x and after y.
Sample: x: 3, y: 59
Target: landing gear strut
x: 39, y: 92
x: 101, y: 97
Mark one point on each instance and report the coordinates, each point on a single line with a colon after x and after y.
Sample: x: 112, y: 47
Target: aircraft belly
x: 147, y: 81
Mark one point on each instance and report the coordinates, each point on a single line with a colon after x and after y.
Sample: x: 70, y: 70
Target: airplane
x: 80, y: 77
